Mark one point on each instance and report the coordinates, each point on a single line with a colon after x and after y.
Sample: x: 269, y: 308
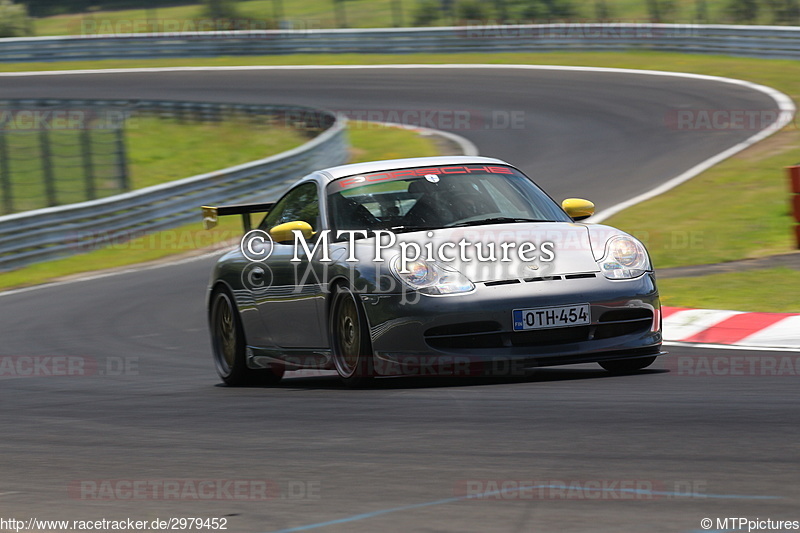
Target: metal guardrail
x: 751, y: 41
x: 52, y: 232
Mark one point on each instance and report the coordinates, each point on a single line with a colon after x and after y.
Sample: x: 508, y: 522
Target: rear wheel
x: 349, y: 337
x: 228, y: 345
x: 624, y: 366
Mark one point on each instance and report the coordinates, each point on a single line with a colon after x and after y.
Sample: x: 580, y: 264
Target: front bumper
x: 473, y: 334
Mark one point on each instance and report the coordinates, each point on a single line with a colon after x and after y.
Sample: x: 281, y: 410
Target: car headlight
x: 625, y: 258
x: 429, y: 277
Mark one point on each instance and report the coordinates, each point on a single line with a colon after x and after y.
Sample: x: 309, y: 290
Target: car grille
x: 489, y: 334
x: 579, y: 275
x: 486, y: 334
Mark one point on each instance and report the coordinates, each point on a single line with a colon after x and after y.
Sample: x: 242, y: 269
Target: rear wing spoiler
x: 211, y: 214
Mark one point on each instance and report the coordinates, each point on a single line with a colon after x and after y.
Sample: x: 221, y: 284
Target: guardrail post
x: 47, y: 168
x: 794, y: 181
x: 5, y: 174
x: 397, y: 13
x: 341, y: 13
x: 88, y: 166
x: 122, y: 158
x: 277, y: 12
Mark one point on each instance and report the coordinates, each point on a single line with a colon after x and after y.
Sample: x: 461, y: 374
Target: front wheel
x: 624, y: 366
x: 349, y: 335
x: 228, y: 345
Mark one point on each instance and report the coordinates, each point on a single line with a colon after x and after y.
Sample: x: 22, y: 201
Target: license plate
x: 551, y: 317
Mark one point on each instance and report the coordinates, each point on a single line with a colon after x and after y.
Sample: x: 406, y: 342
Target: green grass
x: 164, y: 150
x: 314, y: 14
x: 773, y: 290
x: 369, y: 143
x: 740, y: 209
x: 373, y: 142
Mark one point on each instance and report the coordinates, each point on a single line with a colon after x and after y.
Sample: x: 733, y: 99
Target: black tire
x: 626, y: 366
x: 349, y: 339
x: 228, y: 346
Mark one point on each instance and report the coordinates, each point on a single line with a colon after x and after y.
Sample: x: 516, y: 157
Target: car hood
x: 560, y: 248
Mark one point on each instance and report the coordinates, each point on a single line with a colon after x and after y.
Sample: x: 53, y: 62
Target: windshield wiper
x: 407, y: 229
x: 495, y: 220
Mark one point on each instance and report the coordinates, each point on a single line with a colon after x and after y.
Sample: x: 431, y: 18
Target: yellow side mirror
x: 577, y: 208
x: 284, y: 233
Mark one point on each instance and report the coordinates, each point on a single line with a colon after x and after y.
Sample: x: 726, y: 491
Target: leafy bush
x: 220, y: 9
x: 785, y: 11
x: 471, y: 10
x: 13, y: 20
x: 549, y: 9
x: 701, y: 12
x: 743, y: 10
x: 601, y: 10
x: 426, y: 12
x: 559, y: 9
x: 661, y: 10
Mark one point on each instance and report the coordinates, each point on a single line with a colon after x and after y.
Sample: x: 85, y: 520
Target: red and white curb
x: 732, y: 328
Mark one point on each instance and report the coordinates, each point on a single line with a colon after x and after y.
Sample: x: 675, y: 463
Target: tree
x: 13, y: 19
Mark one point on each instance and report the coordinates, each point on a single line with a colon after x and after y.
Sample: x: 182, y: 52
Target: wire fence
x: 52, y: 155
x: 51, y: 232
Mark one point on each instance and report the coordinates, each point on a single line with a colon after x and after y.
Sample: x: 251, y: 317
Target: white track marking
x: 684, y: 324
x: 783, y: 334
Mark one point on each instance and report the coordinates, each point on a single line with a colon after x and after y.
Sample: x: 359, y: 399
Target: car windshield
x: 432, y: 198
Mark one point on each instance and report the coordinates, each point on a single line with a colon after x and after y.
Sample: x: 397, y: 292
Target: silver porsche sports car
x: 445, y: 266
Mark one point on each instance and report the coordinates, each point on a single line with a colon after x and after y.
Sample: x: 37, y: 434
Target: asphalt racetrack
x: 703, y: 434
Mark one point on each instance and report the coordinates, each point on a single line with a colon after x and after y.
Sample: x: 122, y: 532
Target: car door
x: 292, y: 302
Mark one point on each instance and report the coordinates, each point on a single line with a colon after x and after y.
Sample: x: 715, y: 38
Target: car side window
x: 301, y: 203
